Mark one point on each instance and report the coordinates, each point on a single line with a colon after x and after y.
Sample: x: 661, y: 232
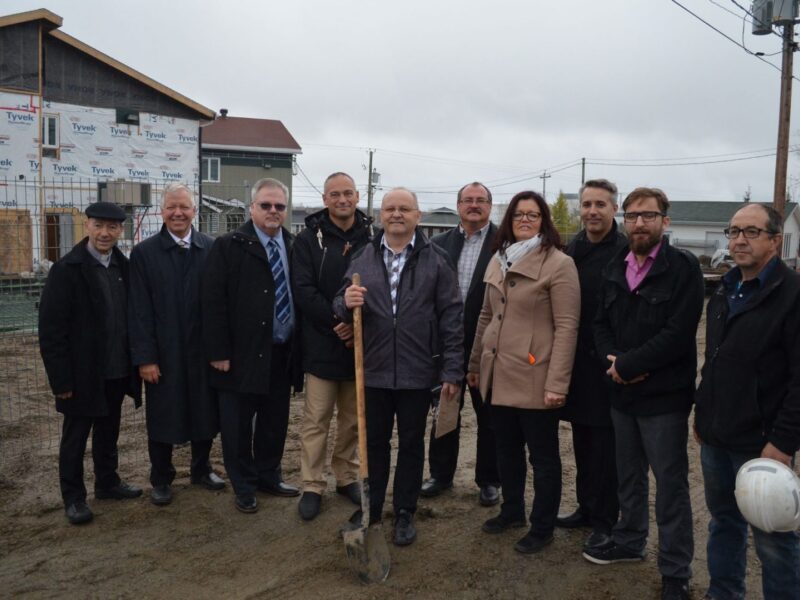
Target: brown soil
x: 201, y: 547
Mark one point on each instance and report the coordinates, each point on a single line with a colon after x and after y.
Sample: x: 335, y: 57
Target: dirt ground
x: 201, y: 547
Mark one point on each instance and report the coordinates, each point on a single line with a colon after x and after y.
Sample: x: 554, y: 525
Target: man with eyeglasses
x: 469, y: 248
x: 249, y: 338
x: 748, y: 400
x: 651, y: 299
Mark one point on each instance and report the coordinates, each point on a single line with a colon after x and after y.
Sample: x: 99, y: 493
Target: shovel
x: 365, y: 543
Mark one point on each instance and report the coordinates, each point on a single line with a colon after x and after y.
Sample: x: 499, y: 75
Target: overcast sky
x: 448, y: 92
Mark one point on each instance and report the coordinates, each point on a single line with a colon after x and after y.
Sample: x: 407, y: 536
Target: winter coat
x: 652, y: 331
x: 750, y: 389
x: 588, y: 402
x: 237, y: 306
x: 525, y: 342
x: 423, y: 344
x: 164, y: 329
x: 452, y: 242
x: 320, y: 257
x: 72, y: 336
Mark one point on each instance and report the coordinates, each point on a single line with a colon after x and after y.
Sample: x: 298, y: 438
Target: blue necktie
x: 282, y: 309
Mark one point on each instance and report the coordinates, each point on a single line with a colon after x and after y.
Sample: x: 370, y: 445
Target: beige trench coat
x: 527, y: 330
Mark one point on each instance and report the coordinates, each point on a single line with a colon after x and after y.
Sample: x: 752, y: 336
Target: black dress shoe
x: 246, y: 503
x: 533, y: 543
x: 121, y: 491
x: 210, y: 481
x: 78, y: 512
x: 489, y: 495
x: 309, y: 504
x: 404, y: 531
x: 597, y: 539
x: 573, y: 521
x: 279, y: 489
x: 351, y: 491
x: 674, y: 588
x: 161, y: 495
x: 500, y: 523
x: 433, y: 487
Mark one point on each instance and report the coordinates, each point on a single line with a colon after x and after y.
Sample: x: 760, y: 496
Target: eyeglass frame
x: 727, y: 232
x: 632, y: 217
x: 532, y: 217
x: 268, y: 206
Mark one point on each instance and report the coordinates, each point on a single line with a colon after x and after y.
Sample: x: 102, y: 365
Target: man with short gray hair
x: 166, y: 345
x: 249, y: 338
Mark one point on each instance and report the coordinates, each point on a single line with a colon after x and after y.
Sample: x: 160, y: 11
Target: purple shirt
x: 634, y: 273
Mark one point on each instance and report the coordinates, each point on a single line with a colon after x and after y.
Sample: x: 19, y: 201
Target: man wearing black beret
x: 83, y: 338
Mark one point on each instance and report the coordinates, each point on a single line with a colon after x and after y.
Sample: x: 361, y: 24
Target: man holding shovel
x: 413, y: 340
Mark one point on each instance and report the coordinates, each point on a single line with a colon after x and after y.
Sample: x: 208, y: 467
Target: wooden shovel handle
x: 358, y: 349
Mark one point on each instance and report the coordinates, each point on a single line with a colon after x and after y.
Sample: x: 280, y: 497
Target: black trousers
x: 411, y: 408
x: 162, y: 471
x: 105, y: 433
x: 596, y: 479
x: 253, y: 428
x: 443, y: 452
x: 516, y: 428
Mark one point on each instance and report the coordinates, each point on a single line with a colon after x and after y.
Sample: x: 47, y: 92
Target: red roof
x: 250, y: 134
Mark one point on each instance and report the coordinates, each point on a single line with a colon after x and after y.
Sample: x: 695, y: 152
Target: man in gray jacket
x: 413, y: 340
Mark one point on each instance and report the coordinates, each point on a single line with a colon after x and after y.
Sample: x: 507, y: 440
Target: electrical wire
x: 303, y: 173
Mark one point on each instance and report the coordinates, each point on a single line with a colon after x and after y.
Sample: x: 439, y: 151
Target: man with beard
x: 650, y: 303
x: 167, y: 347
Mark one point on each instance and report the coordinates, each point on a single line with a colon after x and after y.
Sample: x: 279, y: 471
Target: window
x: 50, y: 131
x: 787, y: 245
x: 127, y: 116
x: 209, y: 170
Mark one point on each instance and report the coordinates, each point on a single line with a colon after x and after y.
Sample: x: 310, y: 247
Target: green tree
x: 565, y: 221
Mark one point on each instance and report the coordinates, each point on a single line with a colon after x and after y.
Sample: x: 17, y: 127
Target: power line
x: 299, y: 168
x: 684, y: 164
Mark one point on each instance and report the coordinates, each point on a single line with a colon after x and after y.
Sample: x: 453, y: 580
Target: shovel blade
x: 368, y: 553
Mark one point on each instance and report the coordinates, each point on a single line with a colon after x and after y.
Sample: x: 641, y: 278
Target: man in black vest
x: 469, y: 248
x: 588, y: 407
x: 167, y: 347
x: 83, y: 338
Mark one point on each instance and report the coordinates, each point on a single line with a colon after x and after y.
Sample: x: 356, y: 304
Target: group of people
x: 600, y: 333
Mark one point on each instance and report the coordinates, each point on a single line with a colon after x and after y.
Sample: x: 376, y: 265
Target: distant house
x: 439, y: 220
x: 77, y: 126
x: 697, y: 226
x: 237, y: 152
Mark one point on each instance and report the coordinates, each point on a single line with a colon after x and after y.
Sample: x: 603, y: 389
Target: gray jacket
x: 423, y: 344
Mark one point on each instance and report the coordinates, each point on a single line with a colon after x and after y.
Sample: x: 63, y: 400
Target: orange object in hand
x: 531, y: 358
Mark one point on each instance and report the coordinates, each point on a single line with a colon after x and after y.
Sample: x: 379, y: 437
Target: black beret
x: 105, y: 210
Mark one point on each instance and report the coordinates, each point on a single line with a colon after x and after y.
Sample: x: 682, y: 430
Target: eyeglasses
x: 268, y: 206
x: 478, y: 201
x: 648, y: 216
x: 750, y: 233
x: 531, y: 216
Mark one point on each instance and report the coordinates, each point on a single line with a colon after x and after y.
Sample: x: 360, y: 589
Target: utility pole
x: 782, y: 156
x: 369, y: 185
x: 583, y: 171
x: 544, y: 177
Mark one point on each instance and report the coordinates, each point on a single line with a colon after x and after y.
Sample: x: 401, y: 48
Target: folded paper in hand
x: 447, y: 415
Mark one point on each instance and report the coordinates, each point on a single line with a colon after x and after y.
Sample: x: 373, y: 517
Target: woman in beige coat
x: 522, y: 361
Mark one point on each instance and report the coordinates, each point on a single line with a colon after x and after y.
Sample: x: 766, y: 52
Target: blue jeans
x: 779, y: 553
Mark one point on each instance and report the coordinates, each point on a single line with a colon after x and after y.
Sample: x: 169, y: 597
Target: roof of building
x: 707, y: 212
x: 440, y: 217
x: 254, y: 135
x: 52, y: 22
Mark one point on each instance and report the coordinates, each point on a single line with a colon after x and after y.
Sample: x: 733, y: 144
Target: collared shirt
x: 394, y: 265
x: 468, y: 258
x: 103, y: 259
x: 186, y: 241
x: 634, y: 273
x: 738, y: 292
x: 281, y: 332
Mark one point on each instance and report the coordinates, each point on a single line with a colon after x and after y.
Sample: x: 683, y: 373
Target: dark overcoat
x: 164, y: 329
x: 72, y: 334
x: 237, y: 305
x: 588, y: 401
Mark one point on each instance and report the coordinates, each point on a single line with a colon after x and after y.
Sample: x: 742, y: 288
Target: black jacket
x: 423, y: 344
x: 237, y: 305
x: 588, y: 400
x: 72, y: 333
x: 750, y: 389
x: 652, y: 330
x: 320, y: 256
x: 452, y: 242
x: 164, y: 328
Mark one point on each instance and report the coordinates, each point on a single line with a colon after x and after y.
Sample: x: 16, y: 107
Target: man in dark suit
x: 248, y: 334
x: 83, y: 338
x: 167, y: 347
x: 469, y: 248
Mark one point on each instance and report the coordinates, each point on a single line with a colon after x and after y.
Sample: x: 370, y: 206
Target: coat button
x: 263, y: 322
x: 494, y: 350
x: 502, y: 300
x: 499, y: 317
x: 512, y: 283
x: 260, y: 355
x: 265, y: 291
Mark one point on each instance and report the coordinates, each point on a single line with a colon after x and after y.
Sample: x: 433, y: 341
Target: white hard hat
x: 768, y: 495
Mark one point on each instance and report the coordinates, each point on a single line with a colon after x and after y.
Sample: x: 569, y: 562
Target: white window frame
x: 46, y: 119
x: 787, y: 245
x: 208, y: 161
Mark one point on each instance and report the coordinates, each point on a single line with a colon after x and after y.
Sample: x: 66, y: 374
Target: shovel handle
x: 358, y: 349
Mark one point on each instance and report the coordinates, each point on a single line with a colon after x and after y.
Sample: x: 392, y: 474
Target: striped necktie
x: 281, y: 287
